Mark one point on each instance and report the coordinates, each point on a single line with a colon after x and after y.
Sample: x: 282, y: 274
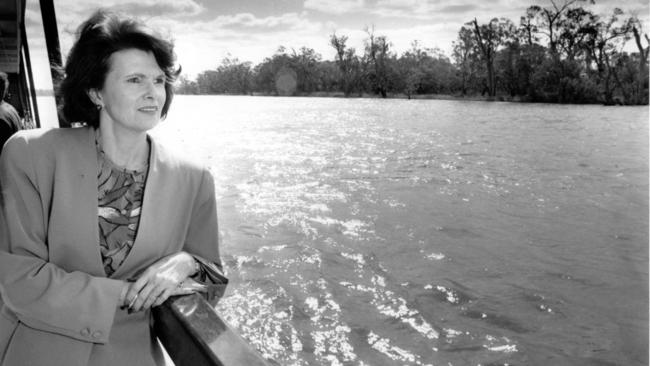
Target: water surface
x: 396, y: 232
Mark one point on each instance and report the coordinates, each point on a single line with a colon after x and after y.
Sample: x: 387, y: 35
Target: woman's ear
x: 95, y: 97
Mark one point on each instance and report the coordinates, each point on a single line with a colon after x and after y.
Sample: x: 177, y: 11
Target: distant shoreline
x: 414, y: 97
x: 472, y: 98
x: 49, y: 93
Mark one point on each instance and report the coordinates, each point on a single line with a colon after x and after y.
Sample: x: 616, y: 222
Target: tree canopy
x: 560, y: 52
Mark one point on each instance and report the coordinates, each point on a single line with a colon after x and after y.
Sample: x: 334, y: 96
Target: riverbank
x: 469, y: 97
x: 405, y: 96
x: 499, y: 98
x: 473, y: 97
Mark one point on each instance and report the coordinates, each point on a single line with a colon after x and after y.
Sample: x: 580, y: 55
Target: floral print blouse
x: 118, y: 209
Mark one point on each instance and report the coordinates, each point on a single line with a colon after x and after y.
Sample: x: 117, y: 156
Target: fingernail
x: 133, y: 301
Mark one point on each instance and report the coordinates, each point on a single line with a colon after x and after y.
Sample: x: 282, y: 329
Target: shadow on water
x: 498, y: 320
x: 458, y: 232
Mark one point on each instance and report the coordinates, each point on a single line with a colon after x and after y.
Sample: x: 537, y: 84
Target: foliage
x: 348, y: 63
x: 560, y: 52
x: 231, y: 77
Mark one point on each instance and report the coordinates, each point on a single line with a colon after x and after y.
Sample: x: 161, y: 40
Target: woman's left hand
x: 161, y: 280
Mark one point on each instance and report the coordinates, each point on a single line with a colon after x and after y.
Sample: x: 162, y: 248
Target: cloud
x: 409, y: 9
x: 458, y: 8
x: 213, y: 50
x: 201, y: 45
x: 71, y: 13
x: 335, y: 6
x: 148, y: 8
x: 440, y: 11
x: 249, y: 22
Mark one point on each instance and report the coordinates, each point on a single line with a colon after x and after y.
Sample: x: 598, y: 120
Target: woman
x: 101, y: 223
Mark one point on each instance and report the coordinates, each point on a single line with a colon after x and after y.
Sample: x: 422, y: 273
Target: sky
x: 206, y: 31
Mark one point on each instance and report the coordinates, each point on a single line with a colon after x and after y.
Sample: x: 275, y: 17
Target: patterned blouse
x: 118, y: 209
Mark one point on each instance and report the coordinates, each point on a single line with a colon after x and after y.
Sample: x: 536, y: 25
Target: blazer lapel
x: 87, y: 199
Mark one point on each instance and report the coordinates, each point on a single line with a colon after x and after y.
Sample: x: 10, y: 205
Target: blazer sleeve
x: 202, y: 239
x: 42, y: 295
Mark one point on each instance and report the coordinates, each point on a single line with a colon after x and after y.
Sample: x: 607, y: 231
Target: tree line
x: 560, y: 53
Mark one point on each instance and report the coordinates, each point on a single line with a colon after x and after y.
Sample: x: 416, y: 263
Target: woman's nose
x: 150, y: 90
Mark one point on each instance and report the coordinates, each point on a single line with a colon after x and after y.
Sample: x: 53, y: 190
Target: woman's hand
x: 162, y: 279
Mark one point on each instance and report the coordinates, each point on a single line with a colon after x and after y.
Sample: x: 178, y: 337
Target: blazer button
x: 97, y: 334
x: 85, y: 332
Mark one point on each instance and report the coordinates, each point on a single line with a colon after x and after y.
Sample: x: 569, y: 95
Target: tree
x: 409, y: 71
x: 347, y: 62
x: 488, y: 39
x: 605, y: 40
x: 378, y: 59
x: 328, y: 76
x: 186, y: 86
x: 641, y: 80
x: 208, y: 82
x: 573, y: 32
x: 439, y: 74
x: 527, y: 29
x: 531, y: 58
x: 231, y: 77
x: 273, y: 69
x: 465, y: 54
x: 234, y: 77
x: 549, y: 20
x: 507, y: 62
x: 304, y: 64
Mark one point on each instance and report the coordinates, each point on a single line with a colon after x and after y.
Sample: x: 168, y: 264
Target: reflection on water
x: 369, y: 232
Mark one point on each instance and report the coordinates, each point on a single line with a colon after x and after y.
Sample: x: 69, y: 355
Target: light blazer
x: 57, y: 307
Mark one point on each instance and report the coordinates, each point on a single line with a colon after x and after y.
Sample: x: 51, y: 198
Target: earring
x: 99, y: 107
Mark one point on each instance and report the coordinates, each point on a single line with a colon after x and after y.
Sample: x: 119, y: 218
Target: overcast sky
x: 206, y: 31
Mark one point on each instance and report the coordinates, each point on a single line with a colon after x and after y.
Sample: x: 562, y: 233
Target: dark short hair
x: 87, y: 65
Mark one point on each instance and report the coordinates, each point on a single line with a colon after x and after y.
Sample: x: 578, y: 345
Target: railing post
x: 53, y: 48
x: 193, y: 334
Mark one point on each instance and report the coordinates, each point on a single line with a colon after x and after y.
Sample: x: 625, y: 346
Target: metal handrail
x: 194, y: 334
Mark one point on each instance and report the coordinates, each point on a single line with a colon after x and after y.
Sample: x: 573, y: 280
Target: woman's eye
x: 159, y: 80
x: 133, y: 80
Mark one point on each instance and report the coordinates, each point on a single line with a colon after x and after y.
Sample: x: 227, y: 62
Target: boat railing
x: 194, y: 334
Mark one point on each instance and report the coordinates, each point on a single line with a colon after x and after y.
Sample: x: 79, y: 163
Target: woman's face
x: 133, y: 94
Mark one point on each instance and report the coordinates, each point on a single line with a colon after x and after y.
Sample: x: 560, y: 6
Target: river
x: 428, y: 232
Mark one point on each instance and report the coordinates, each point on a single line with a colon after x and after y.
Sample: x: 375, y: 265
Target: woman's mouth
x: 148, y: 109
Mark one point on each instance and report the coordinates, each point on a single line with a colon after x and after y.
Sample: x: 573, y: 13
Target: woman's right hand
x: 169, y: 276
x: 187, y: 287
